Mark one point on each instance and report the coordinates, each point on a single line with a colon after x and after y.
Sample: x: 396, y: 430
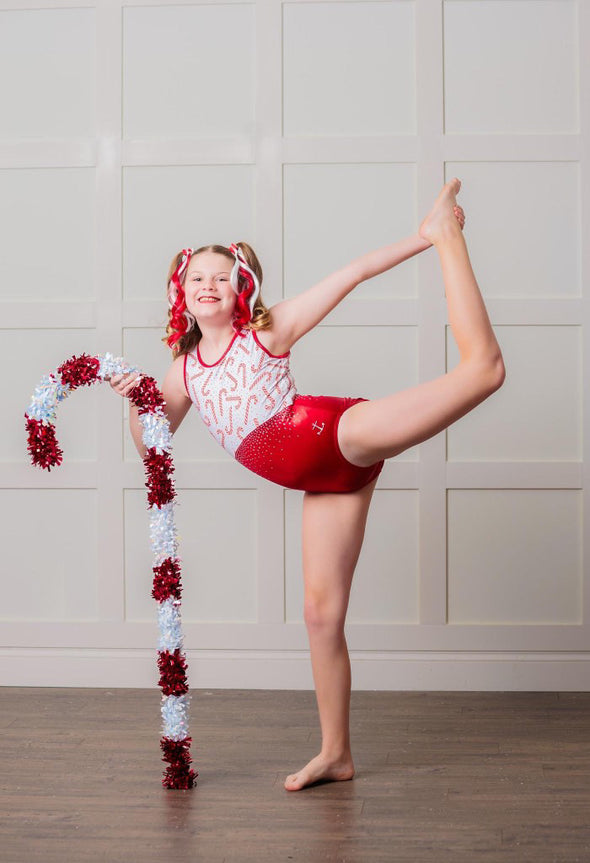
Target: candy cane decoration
x: 242, y: 366
x: 235, y: 380
x: 268, y: 398
x: 231, y: 421
x: 209, y: 402
x: 206, y: 391
x: 251, y: 398
x: 45, y: 452
x: 220, y: 400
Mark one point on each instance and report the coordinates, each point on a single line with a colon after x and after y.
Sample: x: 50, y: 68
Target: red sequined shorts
x: 298, y: 448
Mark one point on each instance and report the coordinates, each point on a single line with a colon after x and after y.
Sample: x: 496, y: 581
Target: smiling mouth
x: 209, y: 300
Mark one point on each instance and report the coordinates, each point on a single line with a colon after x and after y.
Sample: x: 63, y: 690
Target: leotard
x: 249, y: 402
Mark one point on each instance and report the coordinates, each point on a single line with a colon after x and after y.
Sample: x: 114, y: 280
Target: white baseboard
x: 374, y: 670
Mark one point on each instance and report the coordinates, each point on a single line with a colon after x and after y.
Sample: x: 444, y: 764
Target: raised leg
x: 382, y: 428
x: 333, y: 529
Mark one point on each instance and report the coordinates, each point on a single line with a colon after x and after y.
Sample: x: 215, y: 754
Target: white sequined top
x: 244, y: 388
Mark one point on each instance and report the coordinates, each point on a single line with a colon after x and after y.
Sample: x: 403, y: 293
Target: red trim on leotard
x: 210, y: 365
x: 258, y: 342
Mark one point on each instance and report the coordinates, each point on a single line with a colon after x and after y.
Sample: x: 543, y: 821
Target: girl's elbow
x: 498, y: 373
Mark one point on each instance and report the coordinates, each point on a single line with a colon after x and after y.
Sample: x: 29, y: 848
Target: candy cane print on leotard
x: 239, y: 389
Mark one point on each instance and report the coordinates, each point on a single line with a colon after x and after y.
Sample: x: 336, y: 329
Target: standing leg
x: 333, y: 531
x: 382, y: 428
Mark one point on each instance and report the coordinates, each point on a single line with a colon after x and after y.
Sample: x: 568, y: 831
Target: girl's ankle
x: 449, y: 232
x: 336, y: 754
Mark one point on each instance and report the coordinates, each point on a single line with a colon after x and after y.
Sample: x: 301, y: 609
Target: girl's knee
x: 322, y: 616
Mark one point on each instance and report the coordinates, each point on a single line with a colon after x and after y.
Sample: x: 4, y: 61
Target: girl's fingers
x: 459, y: 215
x: 122, y: 384
x: 129, y: 386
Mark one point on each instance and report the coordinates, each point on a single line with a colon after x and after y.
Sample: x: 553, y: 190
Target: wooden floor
x: 440, y: 776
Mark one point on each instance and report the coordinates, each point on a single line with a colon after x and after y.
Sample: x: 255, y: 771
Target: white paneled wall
x: 315, y: 131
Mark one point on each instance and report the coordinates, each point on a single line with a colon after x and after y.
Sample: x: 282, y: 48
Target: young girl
x: 231, y: 359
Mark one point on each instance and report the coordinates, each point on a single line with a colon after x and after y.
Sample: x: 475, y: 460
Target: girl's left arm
x: 296, y: 316
x: 389, y: 256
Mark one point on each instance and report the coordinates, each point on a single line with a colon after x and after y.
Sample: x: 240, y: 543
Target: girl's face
x: 207, y: 287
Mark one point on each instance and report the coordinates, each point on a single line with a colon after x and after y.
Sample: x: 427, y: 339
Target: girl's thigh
x: 382, y: 428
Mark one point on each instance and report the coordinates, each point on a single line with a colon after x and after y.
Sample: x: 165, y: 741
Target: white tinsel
x: 163, y: 532
x: 110, y: 365
x: 175, y: 715
x: 170, y: 624
x: 156, y: 431
x: 48, y: 393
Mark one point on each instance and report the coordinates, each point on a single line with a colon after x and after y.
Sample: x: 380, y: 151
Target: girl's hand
x: 459, y: 215
x: 123, y: 384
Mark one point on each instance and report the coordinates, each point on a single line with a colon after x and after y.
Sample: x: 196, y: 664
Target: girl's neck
x: 217, y: 337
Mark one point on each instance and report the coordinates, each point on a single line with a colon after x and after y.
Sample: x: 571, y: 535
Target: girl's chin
x: 199, y: 311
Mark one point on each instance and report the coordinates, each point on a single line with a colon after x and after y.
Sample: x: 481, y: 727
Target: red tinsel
x: 79, y: 371
x: 178, y: 775
x: 42, y: 443
x: 177, y: 779
x: 146, y: 395
x: 172, y: 672
x: 158, y: 467
x: 167, y: 580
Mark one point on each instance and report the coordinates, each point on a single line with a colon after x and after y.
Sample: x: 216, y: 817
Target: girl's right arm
x: 177, y: 402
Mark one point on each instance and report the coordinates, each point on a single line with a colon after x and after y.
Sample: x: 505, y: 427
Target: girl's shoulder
x: 175, y: 378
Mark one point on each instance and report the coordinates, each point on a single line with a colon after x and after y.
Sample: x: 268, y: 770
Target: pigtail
x: 258, y: 317
x: 182, y: 331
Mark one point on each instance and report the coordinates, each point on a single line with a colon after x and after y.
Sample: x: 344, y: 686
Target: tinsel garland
x: 44, y: 450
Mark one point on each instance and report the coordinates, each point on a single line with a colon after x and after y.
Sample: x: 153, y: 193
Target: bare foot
x: 320, y: 769
x: 445, y: 216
